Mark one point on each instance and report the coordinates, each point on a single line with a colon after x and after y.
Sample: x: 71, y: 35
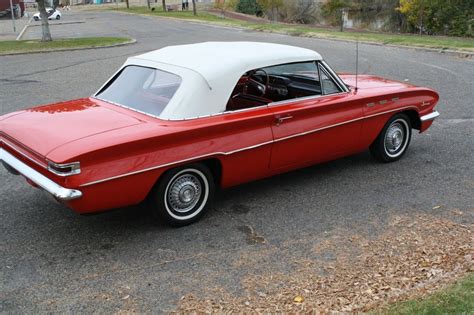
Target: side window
x: 327, y: 83
x: 276, y: 83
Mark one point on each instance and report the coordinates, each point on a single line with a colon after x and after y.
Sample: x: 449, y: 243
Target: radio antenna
x: 357, y: 62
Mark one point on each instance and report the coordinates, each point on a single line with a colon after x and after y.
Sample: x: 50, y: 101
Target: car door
x: 316, y: 128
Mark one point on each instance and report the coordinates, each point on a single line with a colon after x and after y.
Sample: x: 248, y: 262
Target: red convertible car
x: 175, y: 124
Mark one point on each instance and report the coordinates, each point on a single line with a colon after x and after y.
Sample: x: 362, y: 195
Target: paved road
x: 54, y: 260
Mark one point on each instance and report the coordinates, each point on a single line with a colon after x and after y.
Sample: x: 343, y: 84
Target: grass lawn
x: 439, y: 42
x: 21, y: 46
x: 457, y: 299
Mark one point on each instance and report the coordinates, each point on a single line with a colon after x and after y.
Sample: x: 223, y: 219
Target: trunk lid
x: 42, y: 129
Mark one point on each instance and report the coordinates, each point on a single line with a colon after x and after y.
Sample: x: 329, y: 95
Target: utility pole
x: 13, y: 16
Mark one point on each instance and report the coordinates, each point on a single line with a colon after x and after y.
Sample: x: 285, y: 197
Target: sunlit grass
x: 457, y: 299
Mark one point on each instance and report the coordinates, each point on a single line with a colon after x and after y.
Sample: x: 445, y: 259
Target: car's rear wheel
x: 183, y: 194
x: 58, y: 17
x: 36, y: 18
x: 392, y: 142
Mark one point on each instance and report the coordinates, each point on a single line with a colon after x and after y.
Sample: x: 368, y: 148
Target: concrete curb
x: 458, y: 53
x: 59, y: 23
x: 23, y: 31
x: 130, y: 42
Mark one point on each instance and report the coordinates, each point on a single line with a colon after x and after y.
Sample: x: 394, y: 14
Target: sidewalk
x: 6, y: 27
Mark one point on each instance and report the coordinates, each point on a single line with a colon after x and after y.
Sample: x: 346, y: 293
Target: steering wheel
x: 255, y: 81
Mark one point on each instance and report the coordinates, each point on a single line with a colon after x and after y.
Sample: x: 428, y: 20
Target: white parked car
x: 52, y: 14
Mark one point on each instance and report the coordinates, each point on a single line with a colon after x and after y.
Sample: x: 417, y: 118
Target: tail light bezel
x: 66, y: 169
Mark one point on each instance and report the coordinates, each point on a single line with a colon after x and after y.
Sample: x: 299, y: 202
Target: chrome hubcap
x: 394, y: 138
x: 184, y: 193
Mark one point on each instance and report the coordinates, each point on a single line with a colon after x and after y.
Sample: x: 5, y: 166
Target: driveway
x: 52, y: 260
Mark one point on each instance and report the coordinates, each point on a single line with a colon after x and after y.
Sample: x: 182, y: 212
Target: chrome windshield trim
x: 430, y: 116
x: 241, y: 149
x: 39, y: 179
x: 334, y: 75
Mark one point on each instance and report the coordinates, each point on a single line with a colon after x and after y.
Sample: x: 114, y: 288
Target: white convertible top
x: 210, y: 71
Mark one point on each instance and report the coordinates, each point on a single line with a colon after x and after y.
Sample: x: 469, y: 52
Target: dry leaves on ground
x: 414, y: 256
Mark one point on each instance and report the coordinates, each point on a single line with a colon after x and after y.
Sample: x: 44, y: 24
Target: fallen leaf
x: 298, y: 299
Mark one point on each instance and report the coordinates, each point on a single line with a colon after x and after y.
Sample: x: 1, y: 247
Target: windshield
x: 143, y: 89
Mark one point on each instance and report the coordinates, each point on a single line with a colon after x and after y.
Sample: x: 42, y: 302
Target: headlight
x: 64, y: 169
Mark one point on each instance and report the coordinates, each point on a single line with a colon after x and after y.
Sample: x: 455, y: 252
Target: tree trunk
x: 164, y: 5
x: 194, y: 7
x: 46, y: 37
x: 148, y: 3
x: 128, y: 5
x: 55, y: 4
x: 422, y: 11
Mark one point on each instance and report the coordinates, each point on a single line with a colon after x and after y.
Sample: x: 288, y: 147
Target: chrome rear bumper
x: 430, y: 116
x: 39, y: 179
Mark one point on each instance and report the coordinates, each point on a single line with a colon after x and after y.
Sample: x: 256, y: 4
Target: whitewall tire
x: 183, y: 194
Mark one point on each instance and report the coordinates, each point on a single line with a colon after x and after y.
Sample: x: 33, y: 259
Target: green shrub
x: 249, y: 7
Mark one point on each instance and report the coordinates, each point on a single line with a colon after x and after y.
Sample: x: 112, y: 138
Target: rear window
x: 143, y: 89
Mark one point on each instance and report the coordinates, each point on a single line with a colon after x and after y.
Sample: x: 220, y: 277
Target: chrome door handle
x: 279, y: 120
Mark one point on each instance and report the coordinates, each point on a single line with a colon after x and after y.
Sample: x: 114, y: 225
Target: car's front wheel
x: 392, y: 142
x: 58, y: 17
x: 36, y: 18
x: 183, y: 194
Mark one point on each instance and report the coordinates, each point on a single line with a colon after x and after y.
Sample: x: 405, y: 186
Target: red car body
x: 123, y: 153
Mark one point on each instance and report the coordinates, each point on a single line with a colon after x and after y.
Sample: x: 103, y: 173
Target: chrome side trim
x: 176, y: 162
x: 238, y: 150
x: 38, y: 178
x: 430, y: 116
x: 304, y: 98
x: 24, y: 155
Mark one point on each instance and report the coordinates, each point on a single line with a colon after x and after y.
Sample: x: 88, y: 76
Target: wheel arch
x: 414, y: 118
x: 214, y: 165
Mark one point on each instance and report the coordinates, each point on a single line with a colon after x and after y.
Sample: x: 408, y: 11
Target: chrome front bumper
x: 39, y: 179
x: 430, y: 116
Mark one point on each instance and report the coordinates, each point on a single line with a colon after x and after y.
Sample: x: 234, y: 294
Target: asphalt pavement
x: 52, y: 260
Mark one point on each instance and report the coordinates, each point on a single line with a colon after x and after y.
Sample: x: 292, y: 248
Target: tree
x: 271, y: 7
x: 414, y: 10
x: 301, y: 11
x: 194, y: 7
x: 248, y: 7
x: 164, y: 5
x: 46, y: 34
x: 454, y: 17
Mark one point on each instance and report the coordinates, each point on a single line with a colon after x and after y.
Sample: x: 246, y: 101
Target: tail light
x: 64, y: 169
